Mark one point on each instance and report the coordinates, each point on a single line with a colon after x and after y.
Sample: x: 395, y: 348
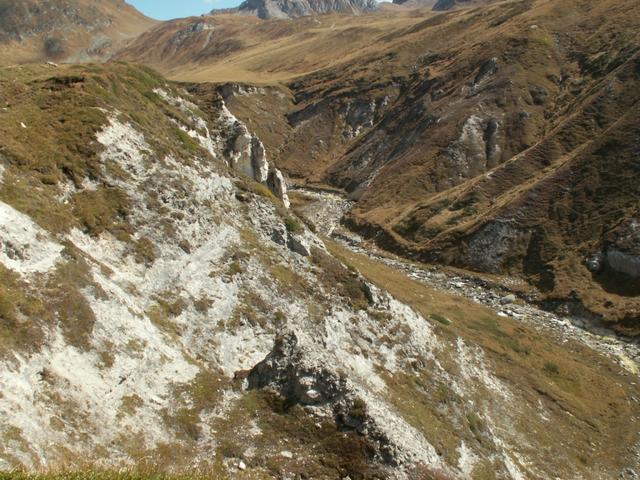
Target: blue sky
x: 167, y: 9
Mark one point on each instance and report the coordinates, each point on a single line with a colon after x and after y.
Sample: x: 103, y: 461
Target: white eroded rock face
x: 222, y: 292
x: 477, y: 149
x: 278, y: 186
x: 248, y: 156
x: 24, y: 246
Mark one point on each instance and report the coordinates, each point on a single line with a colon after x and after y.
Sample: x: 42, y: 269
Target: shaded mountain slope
x: 71, y: 30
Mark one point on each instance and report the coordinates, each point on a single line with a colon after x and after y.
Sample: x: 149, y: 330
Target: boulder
x: 300, y: 245
x: 259, y: 160
x: 279, y: 235
x: 268, y: 9
x: 301, y: 382
x: 538, y: 94
x: 508, y: 299
x: 594, y: 263
x: 278, y: 186
x: 248, y: 156
x: 487, y: 69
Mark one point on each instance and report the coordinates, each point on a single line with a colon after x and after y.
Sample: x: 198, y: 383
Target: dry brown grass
x: 271, y: 52
x: 564, y: 375
x: 59, y: 37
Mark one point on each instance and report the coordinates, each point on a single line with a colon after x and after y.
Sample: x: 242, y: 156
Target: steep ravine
x: 161, y: 308
x: 326, y: 210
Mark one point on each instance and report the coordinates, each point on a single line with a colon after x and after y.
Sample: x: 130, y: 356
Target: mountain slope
x: 229, y: 47
x: 442, y: 5
x: 161, y: 310
x: 267, y: 9
x: 450, y: 128
x: 72, y: 30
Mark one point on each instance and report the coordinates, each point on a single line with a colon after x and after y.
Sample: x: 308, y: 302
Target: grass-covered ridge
x: 49, y: 124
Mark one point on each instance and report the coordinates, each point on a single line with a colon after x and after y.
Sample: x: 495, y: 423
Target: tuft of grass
x: 202, y: 394
x: 293, y: 225
x: 551, y: 368
x: 476, y: 424
x: 256, y: 188
x: 145, y: 251
x: 234, y: 268
x: 129, y: 405
x: 358, y: 409
x: 338, y: 277
x: 15, y: 302
x: 188, y: 143
x: 440, y: 319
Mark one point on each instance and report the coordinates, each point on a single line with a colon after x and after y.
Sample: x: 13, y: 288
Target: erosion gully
x: 326, y: 210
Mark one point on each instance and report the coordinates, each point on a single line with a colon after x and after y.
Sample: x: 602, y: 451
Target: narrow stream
x: 326, y: 211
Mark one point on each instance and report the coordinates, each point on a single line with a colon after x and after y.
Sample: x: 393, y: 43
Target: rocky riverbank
x: 326, y: 210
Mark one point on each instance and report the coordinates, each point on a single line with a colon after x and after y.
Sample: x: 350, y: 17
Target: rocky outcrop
x: 622, y: 256
x: 300, y: 245
x: 287, y: 370
x: 278, y: 186
x: 246, y: 154
x: 490, y: 249
x: 486, y: 70
x: 444, y: 5
x: 299, y: 372
x: 623, y: 262
x: 192, y: 30
x: 477, y: 149
x: 267, y: 9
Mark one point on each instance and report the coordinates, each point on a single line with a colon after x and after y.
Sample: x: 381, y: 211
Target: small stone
x: 507, y: 299
x: 242, y: 465
x: 313, y: 395
x: 279, y: 236
x: 242, y: 197
x: 286, y: 454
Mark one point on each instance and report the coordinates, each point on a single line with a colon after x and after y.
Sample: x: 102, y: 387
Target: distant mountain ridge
x: 267, y: 9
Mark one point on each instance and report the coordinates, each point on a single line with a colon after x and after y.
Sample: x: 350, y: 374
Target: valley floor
x: 626, y: 351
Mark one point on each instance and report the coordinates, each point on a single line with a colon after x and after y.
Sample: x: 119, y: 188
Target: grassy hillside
x: 156, y: 315
x: 66, y: 30
x: 497, y: 138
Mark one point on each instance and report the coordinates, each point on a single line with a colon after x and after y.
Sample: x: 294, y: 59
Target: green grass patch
x: 551, y: 368
x: 293, y: 225
x: 440, y: 319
